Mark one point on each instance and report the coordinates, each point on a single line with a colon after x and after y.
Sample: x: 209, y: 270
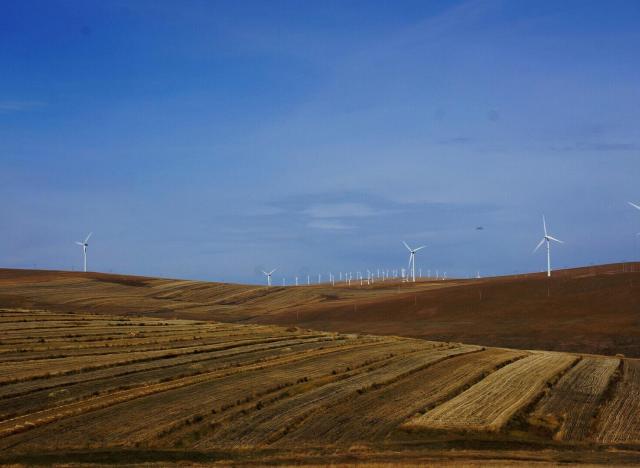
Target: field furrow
x: 35, y: 395
x: 18, y: 371
x: 619, y: 419
x: 489, y: 404
x: 374, y: 414
x: 275, y: 421
x: 571, y: 405
x: 97, y: 419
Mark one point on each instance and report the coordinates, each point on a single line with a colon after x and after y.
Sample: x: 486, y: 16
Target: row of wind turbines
x: 547, y: 238
x: 411, y: 276
x: 411, y: 271
x: 348, y: 277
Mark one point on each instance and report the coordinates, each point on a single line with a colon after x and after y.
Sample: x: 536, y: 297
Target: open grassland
x: 78, y: 387
x: 585, y: 310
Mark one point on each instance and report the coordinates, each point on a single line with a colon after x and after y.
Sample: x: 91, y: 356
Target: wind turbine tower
x: 547, y: 238
x: 412, y: 259
x: 84, y: 245
x: 268, y: 275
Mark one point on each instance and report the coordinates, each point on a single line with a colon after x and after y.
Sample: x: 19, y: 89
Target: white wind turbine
x: 268, y: 275
x: 412, y: 259
x: 84, y: 245
x: 547, y: 238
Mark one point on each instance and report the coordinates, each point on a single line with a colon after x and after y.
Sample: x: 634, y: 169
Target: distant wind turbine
x: 547, y: 238
x: 412, y: 259
x: 84, y: 245
x: 268, y: 275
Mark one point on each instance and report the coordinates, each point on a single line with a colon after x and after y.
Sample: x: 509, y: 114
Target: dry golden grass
x: 619, y: 419
x: 575, y: 398
x: 488, y: 405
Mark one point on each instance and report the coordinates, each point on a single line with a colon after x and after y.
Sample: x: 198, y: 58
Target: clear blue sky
x: 205, y: 139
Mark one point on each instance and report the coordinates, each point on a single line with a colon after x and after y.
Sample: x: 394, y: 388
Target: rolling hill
x: 586, y: 310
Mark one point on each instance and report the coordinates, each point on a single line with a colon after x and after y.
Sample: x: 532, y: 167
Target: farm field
x: 583, y: 310
x: 114, y: 389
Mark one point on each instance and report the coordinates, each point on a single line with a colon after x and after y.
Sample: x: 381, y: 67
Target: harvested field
x: 571, y: 407
x: 619, y: 419
x: 77, y: 387
x: 488, y: 405
x: 375, y: 414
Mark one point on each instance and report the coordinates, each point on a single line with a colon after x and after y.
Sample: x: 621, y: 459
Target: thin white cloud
x: 340, y: 210
x: 19, y: 106
x: 329, y: 224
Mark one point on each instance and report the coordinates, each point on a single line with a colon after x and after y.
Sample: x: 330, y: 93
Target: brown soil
x: 588, y: 310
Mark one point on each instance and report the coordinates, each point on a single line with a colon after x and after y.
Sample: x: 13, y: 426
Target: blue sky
x: 208, y: 140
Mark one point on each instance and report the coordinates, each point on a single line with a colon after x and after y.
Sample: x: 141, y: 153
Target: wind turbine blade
x: 544, y: 225
x: 271, y: 272
x: 79, y: 243
x: 405, y: 244
x: 419, y: 248
x: 265, y: 272
x: 410, y: 258
x: 635, y: 206
x: 554, y: 239
x: 539, y: 245
x: 87, y: 239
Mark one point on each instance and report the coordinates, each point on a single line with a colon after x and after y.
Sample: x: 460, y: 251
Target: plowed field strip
x: 190, y: 392
x: 619, y: 419
x: 274, y: 421
x: 142, y: 346
x: 574, y: 399
x: 66, y: 389
x: 97, y: 332
x: 13, y: 390
x: 15, y: 372
x: 488, y: 405
x: 66, y: 344
x: 43, y: 329
x: 376, y: 413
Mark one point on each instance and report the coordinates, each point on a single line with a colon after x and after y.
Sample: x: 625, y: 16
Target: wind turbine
x: 84, y: 245
x: 547, y: 238
x: 268, y: 275
x: 412, y: 259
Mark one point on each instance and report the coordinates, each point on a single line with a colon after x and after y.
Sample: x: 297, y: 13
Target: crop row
x: 619, y: 419
x: 569, y: 409
x: 488, y: 405
x: 174, y: 396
